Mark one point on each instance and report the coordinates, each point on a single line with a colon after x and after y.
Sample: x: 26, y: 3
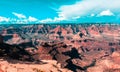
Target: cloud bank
x: 4, y: 19
x: 21, y: 19
x: 86, y: 8
x: 81, y: 9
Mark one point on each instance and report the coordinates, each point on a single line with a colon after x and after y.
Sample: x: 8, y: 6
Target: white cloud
x: 56, y: 19
x: 22, y: 19
x: 92, y: 15
x: 30, y: 18
x: 19, y: 15
x: 76, y: 17
x: 106, y: 13
x: 4, y: 19
x: 46, y: 20
x: 85, y: 8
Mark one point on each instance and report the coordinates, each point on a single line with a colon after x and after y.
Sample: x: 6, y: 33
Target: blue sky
x: 59, y: 11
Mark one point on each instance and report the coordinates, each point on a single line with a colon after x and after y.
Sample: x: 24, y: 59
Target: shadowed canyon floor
x: 60, y: 48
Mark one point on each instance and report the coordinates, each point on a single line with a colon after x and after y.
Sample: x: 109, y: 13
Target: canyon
x: 60, y: 48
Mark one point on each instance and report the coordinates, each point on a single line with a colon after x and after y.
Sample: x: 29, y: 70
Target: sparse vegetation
x: 37, y: 70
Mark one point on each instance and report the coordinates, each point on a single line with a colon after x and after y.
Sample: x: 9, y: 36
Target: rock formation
x: 76, y: 47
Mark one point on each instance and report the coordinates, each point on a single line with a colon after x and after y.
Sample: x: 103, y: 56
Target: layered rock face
x: 76, y: 47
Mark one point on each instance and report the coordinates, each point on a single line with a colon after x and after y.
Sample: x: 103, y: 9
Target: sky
x: 59, y: 11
